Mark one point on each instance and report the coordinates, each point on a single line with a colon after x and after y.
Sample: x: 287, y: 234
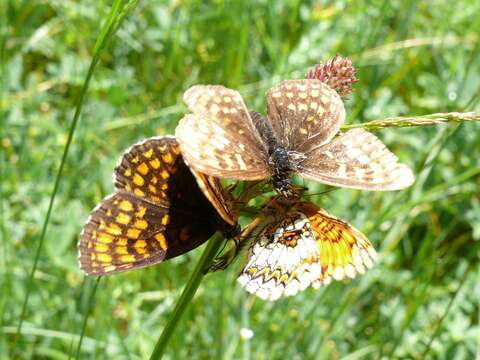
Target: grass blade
x: 87, y: 313
x: 410, y: 121
x: 117, y: 14
x: 213, y: 245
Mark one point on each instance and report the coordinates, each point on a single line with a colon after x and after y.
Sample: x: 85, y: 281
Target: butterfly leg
x: 240, y: 242
x: 222, y: 262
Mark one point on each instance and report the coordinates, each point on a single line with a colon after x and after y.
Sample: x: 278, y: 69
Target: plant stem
x: 117, y: 14
x: 213, y: 246
x: 87, y: 313
x: 410, y: 121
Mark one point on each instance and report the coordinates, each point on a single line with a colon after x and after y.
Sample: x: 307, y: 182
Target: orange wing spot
x: 105, y: 238
x: 141, y: 224
x: 155, y: 163
x: 140, y: 244
x: 123, y: 218
x: 135, y: 160
x: 125, y: 205
x: 94, y: 234
x: 109, y: 212
x: 164, y: 186
x: 138, y: 192
x: 141, y: 250
x: 165, y: 174
x: 104, y: 258
x: 155, y: 198
x: 176, y: 150
x: 154, y: 180
x: 184, y: 234
x: 165, y: 219
x: 152, y: 189
x: 121, y: 250
x: 109, y: 268
x: 252, y: 271
x: 114, y: 229
x: 141, y: 212
x: 148, y: 154
x: 101, y: 247
x: 138, y: 180
x: 128, y: 172
x: 142, y: 169
x: 163, y: 242
x: 121, y: 242
x: 133, y: 233
x: 127, y: 258
x: 168, y: 158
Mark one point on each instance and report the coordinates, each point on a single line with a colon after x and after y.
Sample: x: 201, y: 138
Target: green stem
x: 87, y: 313
x: 447, y: 310
x: 117, y: 14
x: 213, y: 246
x: 410, y: 121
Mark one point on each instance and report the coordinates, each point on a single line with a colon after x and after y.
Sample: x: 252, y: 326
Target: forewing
x: 125, y: 232
x: 304, y: 113
x: 221, y: 199
x: 158, y: 212
x: 146, y: 168
x: 344, y: 251
x: 283, y: 260
x: 359, y: 160
x: 219, y: 138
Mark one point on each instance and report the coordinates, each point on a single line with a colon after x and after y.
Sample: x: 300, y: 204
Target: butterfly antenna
x: 322, y: 192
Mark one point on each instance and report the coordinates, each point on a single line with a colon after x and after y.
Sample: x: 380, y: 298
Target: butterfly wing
x: 304, y: 113
x: 157, y: 213
x: 125, y: 232
x: 283, y: 260
x: 359, y: 160
x: 344, y: 251
x: 219, y: 138
x: 221, y: 199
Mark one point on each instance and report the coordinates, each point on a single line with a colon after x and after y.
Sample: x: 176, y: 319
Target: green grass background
x: 414, y: 57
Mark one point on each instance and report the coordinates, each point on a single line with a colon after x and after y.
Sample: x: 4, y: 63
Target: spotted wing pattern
x: 356, y: 159
x: 283, y: 260
x: 219, y: 137
x: 158, y: 212
x: 304, y: 113
x: 344, y: 251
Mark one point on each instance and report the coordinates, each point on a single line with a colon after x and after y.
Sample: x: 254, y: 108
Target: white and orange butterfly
x: 301, y: 245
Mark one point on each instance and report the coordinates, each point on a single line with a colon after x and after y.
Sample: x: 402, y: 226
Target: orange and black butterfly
x: 160, y: 209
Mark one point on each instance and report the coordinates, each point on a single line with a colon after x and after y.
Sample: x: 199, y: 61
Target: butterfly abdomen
x: 281, y: 168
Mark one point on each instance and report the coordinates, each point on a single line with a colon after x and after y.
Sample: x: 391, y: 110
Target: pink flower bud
x: 338, y: 73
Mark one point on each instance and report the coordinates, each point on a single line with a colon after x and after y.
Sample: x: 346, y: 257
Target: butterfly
x: 160, y: 209
x: 297, y: 245
x: 222, y: 138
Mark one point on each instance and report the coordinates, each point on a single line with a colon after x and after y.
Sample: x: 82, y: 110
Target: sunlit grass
x: 413, y: 59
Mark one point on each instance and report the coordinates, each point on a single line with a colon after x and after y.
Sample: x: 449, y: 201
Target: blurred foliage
x: 414, y: 57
